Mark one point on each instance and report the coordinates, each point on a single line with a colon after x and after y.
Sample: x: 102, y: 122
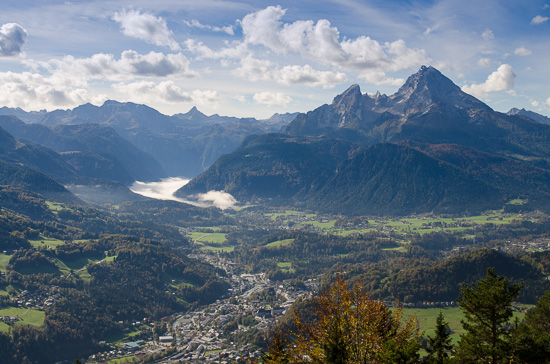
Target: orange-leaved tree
x: 349, y: 327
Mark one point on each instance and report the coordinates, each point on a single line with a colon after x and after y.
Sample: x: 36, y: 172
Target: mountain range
x: 182, y: 144
x: 430, y: 147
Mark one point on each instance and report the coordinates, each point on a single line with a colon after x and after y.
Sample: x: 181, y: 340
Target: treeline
x: 345, y: 324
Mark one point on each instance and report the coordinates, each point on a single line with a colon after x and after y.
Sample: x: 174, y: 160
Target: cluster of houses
x: 38, y: 299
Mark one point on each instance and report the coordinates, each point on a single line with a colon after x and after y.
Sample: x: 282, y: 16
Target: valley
x: 107, y: 256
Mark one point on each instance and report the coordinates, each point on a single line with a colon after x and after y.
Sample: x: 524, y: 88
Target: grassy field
x: 279, y: 243
x: 126, y: 359
x: 26, y: 316
x: 323, y: 225
x: 216, y: 238
x: 4, y: 260
x: 427, y: 319
x: 46, y: 242
x: 55, y: 207
x: 214, y: 242
x: 286, y: 267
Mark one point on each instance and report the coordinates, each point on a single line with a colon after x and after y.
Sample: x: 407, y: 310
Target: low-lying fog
x: 165, y: 189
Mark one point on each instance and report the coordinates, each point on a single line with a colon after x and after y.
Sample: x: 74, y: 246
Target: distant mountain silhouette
x: 183, y: 144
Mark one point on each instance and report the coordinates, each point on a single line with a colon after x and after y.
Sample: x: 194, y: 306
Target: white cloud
x: 196, y: 24
x: 12, y: 39
x: 219, y: 199
x: 500, y: 80
x: 32, y: 91
x: 484, y: 62
x: 206, y: 97
x: 256, y: 69
x: 547, y: 102
x: 166, y: 92
x: 430, y: 30
x: 236, y: 50
x: 272, y: 98
x: 380, y: 78
x: 131, y: 64
x: 539, y: 19
x: 307, y: 75
x: 146, y: 27
x: 487, y: 34
x: 522, y: 51
x: 534, y: 103
x: 321, y: 42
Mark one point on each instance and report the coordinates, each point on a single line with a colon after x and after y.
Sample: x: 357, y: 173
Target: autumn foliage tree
x: 350, y: 327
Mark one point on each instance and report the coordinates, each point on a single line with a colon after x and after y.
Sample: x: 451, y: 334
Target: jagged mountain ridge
x: 428, y: 108
x: 454, y: 154
x: 530, y: 114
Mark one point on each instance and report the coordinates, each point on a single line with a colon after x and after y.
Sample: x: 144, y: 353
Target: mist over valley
x: 226, y: 182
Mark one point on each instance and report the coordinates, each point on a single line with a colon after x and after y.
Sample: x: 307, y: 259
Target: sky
x: 256, y: 58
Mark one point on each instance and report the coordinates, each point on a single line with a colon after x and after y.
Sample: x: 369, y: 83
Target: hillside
x: 97, y: 151
x: 184, y: 144
x: 272, y: 166
x: 387, y: 179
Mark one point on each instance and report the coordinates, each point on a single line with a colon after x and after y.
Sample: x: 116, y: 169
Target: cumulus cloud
x: 522, y: 51
x: 255, y: 70
x: 547, y: 102
x: 130, y: 64
x: 484, y: 62
x: 321, y: 42
x: 167, y: 92
x: 500, y: 80
x: 32, y: 91
x: 147, y: 27
x: 12, y: 39
x: 534, y: 103
x: 236, y: 50
x: 272, y: 98
x: 380, y: 78
x: 196, y: 24
x: 539, y: 19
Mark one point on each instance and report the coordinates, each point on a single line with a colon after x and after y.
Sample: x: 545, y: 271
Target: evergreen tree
x: 533, y: 335
x: 487, y: 307
x: 440, y: 345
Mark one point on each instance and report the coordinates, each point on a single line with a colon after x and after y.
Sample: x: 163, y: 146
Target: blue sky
x: 255, y: 58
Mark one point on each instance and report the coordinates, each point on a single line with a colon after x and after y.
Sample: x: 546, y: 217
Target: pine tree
x: 533, y: 335
x: 440, y: 345
x: 487, y: 307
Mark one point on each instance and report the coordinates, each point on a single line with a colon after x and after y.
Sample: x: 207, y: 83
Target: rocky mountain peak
x: 429, y: 87
x: 194, y: 114
x: 348, y: 99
